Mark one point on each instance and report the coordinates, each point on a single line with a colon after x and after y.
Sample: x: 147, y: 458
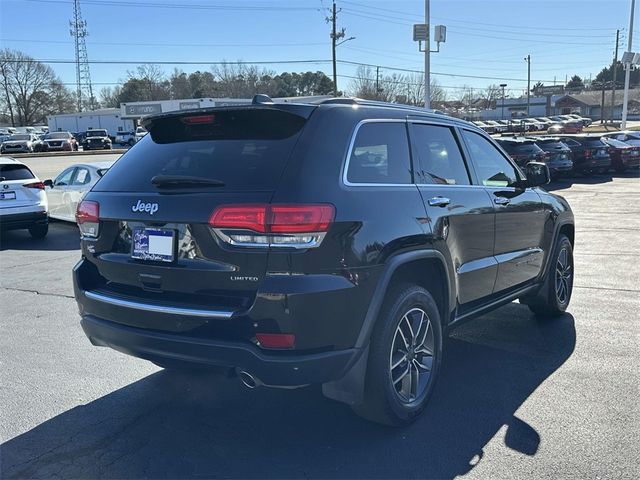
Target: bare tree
x: 490, y: 95
x: 31, y: 89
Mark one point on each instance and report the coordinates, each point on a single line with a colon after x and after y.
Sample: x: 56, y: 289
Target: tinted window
x: 549, y: 146
x: 439, y: 157
x: 380, y: 154
x: 593, y: 142
x: 57, y: 136
x: 493, y: 169
x: 15, y: 172
x: 520, y: 148
x: 247, y: 150
x: 96, y: 133
x: 21, y: 137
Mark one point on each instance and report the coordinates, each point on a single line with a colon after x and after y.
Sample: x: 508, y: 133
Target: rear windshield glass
x: 593, y: 142
x: 616, y: 143
x: 551, y: 145
x: 15, y: 172
x: 246, y: 150
x: 520, y: 148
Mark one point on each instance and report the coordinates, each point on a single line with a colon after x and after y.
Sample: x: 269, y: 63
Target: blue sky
x: 485, y: 38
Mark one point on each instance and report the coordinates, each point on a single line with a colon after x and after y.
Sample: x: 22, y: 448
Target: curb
x: 67, y: 153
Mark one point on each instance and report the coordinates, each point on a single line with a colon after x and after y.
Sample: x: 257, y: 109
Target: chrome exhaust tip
x: 248, y: 380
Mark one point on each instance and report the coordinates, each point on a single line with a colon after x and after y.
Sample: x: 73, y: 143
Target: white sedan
x: 67, y: 189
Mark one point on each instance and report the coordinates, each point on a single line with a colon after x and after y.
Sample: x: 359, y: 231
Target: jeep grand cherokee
x: 330, y: 243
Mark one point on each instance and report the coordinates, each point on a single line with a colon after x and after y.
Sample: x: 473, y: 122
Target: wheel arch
x: 408, y: 267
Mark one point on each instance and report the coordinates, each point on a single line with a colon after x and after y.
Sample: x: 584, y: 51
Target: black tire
x: 383, y: 403
x: 553, y: 298
x: 39, y: 231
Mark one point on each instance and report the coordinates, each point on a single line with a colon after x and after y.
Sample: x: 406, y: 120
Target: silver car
x: 20, y: 143
x: 67, y: 189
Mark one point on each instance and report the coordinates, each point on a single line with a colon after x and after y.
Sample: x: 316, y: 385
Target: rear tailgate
x: 245, y: 150
x: 12, y: 192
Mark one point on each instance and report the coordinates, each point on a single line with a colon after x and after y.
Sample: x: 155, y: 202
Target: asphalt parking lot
x: 517, y: 398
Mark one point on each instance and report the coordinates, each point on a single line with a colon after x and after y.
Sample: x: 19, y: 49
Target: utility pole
x: 502, y: 85
x: 335, y: 36
x: 602, y: 104
x: 377, y: 81
x: 427, y: 65
x: 528, y: 60
x: 627, y: 73
x: 333, y: 49
x: 615, y: 70
x: 83, y: 76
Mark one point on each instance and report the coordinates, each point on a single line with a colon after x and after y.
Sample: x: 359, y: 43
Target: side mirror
x: 537, y: 174
x: 48, y: 183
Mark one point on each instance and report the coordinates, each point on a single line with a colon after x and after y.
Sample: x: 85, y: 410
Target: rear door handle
x: 501, y: 201
x: 439, y: 201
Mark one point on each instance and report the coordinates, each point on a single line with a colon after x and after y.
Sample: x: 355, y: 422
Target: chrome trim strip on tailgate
x: 193, y: 312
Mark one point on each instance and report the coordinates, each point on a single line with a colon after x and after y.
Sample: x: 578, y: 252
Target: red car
x: 623, y: 155
x: 565, y: 127
x: 60, y: 141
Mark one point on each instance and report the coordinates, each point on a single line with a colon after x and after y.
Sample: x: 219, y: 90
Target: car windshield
x: 21, y: 137
x: 56, y: 136
x: 96, y: 133
x: 526, y: 148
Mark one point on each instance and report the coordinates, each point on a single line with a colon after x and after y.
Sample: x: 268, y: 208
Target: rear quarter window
x: 380, y: 154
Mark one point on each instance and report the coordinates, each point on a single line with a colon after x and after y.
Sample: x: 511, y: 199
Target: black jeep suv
x: 332, y: 243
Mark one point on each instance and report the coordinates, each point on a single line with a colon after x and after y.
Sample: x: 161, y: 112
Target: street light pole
x: 528, y: 60
x: 502, y: 85
x: 627, y: 73
x: 427, y: 66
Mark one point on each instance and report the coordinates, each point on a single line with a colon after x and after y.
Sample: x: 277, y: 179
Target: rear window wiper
x: 185, y: 181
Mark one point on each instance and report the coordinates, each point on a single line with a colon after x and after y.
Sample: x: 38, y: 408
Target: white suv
x: 23, y: 202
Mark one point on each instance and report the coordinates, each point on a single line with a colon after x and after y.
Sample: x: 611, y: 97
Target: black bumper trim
x: 17, y: 221
x: 271, y: 369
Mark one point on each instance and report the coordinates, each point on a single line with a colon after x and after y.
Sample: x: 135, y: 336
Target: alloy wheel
x: 412, y: 355
x: 564, y: 272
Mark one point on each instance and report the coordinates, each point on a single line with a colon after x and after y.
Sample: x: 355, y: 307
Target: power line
x: 456, y: 20
x: 137, y: 44
x: 180, y: 6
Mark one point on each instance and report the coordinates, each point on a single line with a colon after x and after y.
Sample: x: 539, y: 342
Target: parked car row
x: 56, y: 141
x: 572, y: 123
x: 585, y: 154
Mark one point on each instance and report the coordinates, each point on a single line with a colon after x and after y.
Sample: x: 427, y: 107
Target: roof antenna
x: 261, y: 99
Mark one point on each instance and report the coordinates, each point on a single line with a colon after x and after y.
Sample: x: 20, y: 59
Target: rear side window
x: 15, y: 172
x: 380, y: 154
x: 246, y: 150
x: 439, y: 156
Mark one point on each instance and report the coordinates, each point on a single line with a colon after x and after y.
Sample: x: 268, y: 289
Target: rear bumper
x: 324, y: 312
x: 593, y: 163
x: 271, y: 369
x: 17, y: 221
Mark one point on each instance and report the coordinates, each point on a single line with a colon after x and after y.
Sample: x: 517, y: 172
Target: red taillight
x: 38, y: 185
x: 246, y: 217
x: 588, y: 153
x: 306, y: 218
x: 198, y: 119
x: 88, y: 218
x: 276, y: 340
x: 300, y: 218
